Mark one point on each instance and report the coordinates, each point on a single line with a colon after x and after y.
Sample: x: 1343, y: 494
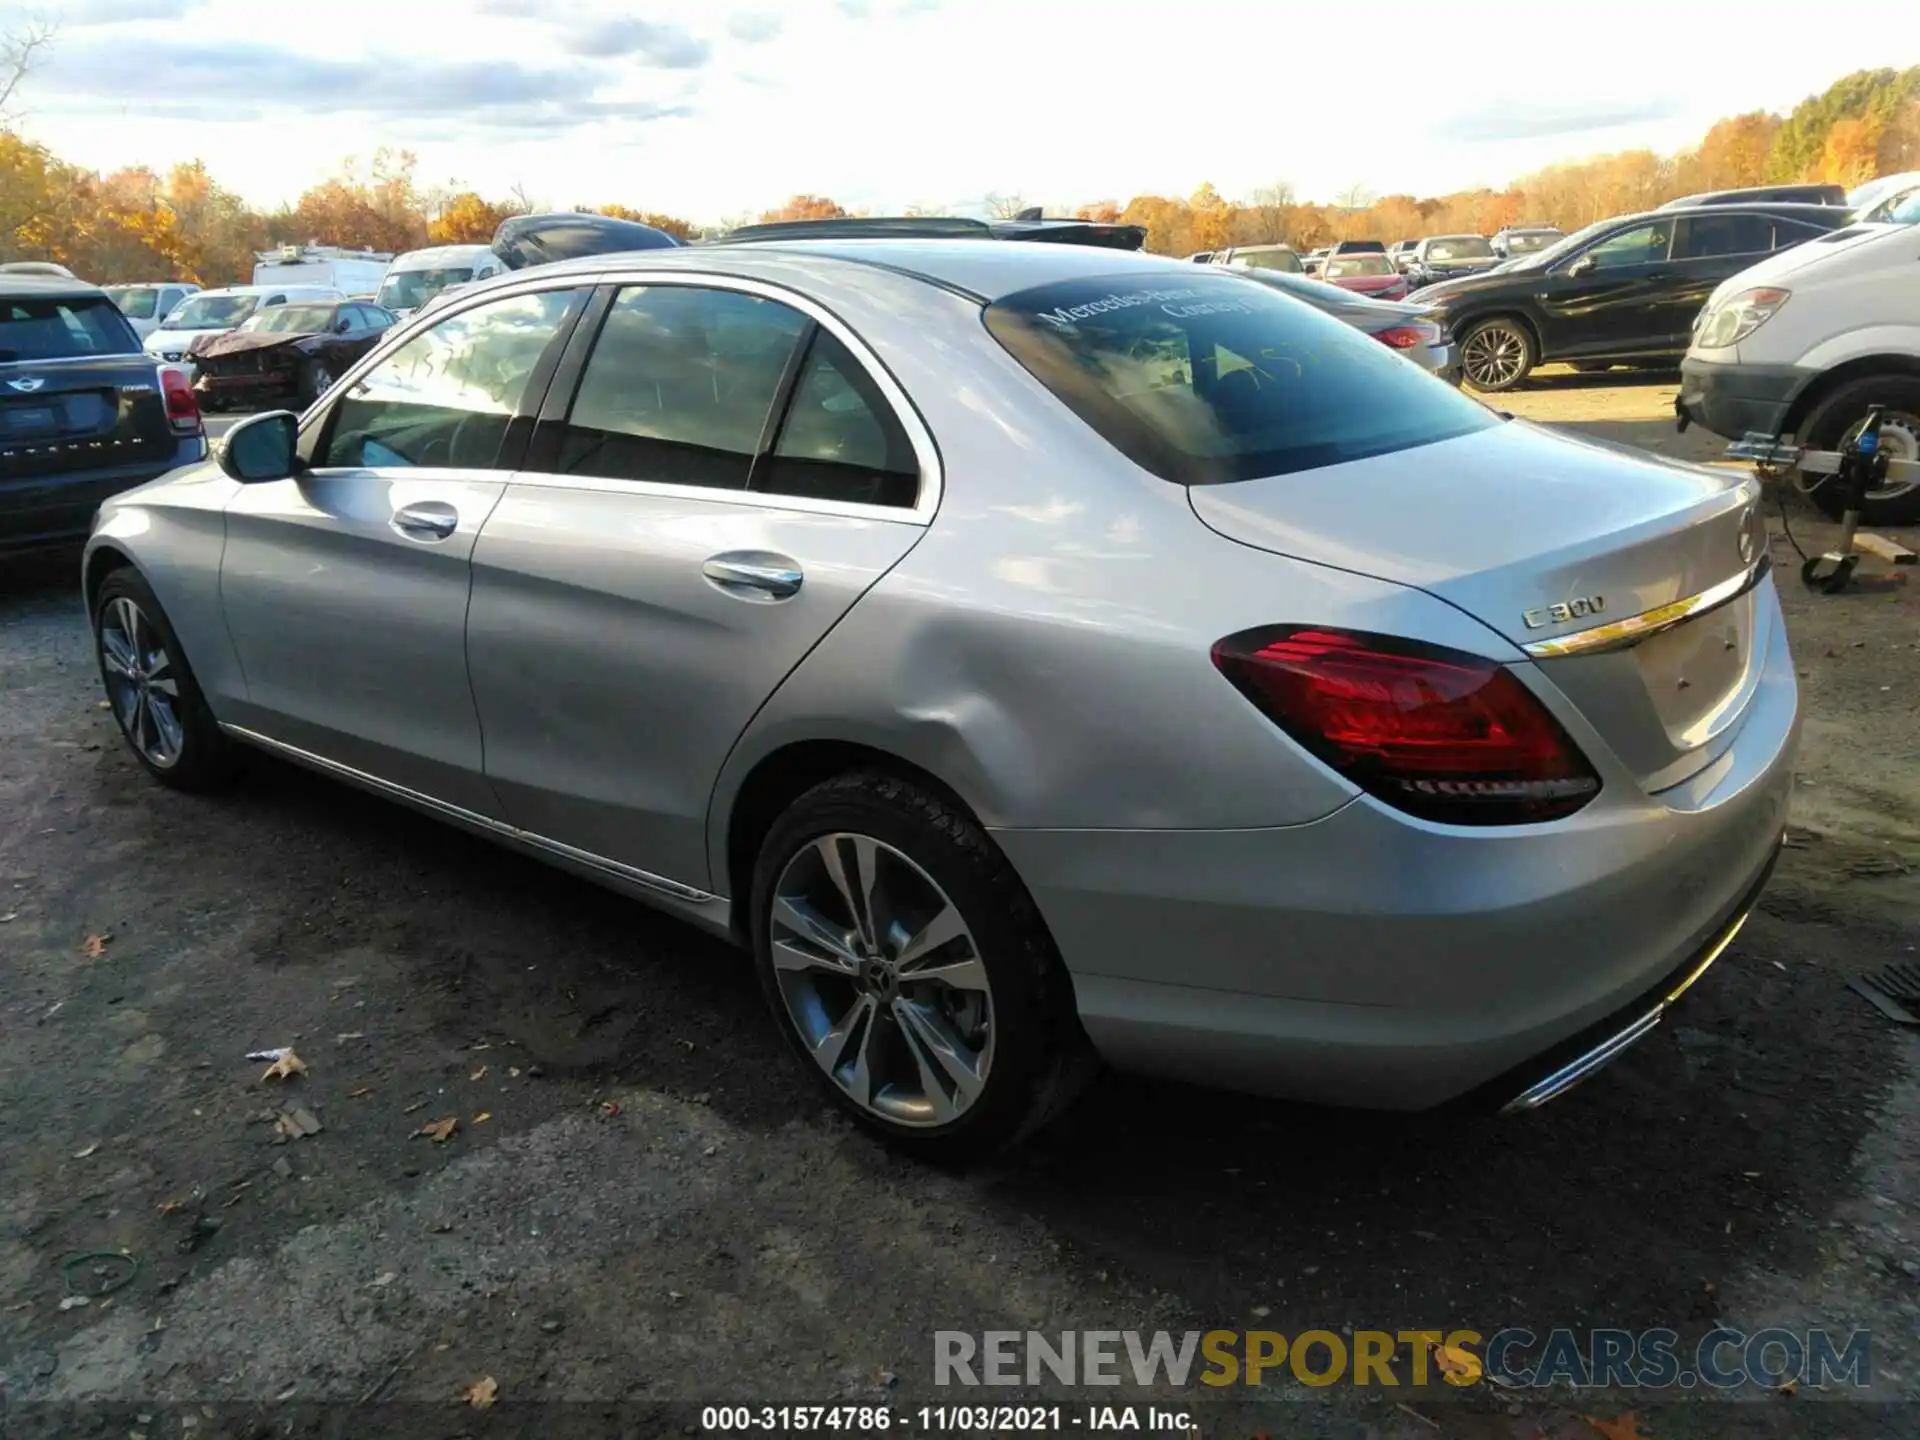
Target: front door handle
x: 427, y: 521
x: 757, y: 575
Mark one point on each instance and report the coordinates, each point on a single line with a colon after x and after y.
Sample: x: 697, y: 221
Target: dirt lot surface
x: 643, y: 1204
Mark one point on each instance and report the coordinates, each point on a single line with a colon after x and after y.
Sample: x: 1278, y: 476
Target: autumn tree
x: 1270, y: 215
x: 376, y: 207
x: 466, y: 219
x: 1799, y: 149
x: 1100, y: 212
x: 804, y: 207
x: 681, y: 230
x: 1852, y: 151
x: 1732, y: 155
x: 1211, y: 218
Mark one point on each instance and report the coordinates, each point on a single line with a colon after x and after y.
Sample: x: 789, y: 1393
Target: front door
x: 1709, y: 248
x: 725, y: 483
x: 345, y: 588
x: 1611, y: 298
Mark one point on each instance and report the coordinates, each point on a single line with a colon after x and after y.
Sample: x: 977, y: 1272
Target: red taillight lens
x: 1408, y: 337
x: 1438, y: 733
x: 182, y: 409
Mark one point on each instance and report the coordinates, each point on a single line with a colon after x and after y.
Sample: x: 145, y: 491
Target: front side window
x: 63, y: 329
x: 679, y: 386
x: 445, y: 397
x: 1704, y: 237
x: 1641, y: 245
x: 839, y: 440
x: 1213, y: 380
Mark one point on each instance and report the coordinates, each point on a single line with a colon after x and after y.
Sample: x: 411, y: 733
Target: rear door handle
x: 427, y: 521
x: 758, y: 575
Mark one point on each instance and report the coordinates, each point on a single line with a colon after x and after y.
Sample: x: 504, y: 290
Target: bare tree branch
x: 1004, y: 207
x: 20, y: 54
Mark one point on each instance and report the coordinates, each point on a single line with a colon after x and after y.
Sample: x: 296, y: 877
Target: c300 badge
x: 1577, y: 608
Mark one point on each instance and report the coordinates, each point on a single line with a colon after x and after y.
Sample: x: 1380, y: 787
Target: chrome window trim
x: 1624, y: 634
x: 906, y: 413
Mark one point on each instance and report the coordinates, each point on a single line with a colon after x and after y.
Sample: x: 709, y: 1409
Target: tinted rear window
x: 1214, y: 380
x: 63, y: 329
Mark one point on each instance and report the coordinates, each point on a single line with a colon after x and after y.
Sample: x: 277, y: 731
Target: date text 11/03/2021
x: 944, y: 1419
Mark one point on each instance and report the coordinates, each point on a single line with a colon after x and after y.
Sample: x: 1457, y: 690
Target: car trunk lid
x: 60, y: 416
x: 1545, y: 538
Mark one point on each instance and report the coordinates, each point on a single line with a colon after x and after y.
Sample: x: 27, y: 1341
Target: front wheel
x: 1496, y: 354
x: 315, y: 381
x: 151, y: 690
x: 1834, y: 423
x: 910, y: 971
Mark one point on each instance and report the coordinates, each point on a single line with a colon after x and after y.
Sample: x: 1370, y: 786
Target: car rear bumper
x: 1368, y: 959
x: 1733, y: 399
x: 40, y: 511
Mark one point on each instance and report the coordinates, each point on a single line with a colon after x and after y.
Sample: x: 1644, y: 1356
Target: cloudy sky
x: 711, y: 108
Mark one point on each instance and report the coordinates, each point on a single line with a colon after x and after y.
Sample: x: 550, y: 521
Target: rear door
x: 345, y: 587
x: 81, y: 413
x: 729, y: 475
x: 1708, y: 248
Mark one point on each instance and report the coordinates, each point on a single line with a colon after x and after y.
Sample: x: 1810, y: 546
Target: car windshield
x: 292, y: 320
x: 410, y: 289
x: 63, y: 329
x: 1343, y: 267
x: 1283, y: 260
x: 1900, y: 208
x: 212, y: 312
x: 1528, y: 242
x: 1214, y: 379
x: 1459, y: 247
x: 136, y: 302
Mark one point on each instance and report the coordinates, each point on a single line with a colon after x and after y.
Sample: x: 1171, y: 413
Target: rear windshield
x: 1284, y: 260
x: 1525, y: 241
x: 135, y: 301
x: 1345, y: 267
x: 1459, y: 247
x: 1211, y: 379
x: 63, y: 330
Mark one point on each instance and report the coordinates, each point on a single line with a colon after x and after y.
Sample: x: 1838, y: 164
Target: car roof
x: 981, y: 272
x: 434, y: 254
x: 311, y: 292
x: 47, y: 287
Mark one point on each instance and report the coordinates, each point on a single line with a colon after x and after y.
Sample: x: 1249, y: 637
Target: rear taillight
x: 1408, y: 337
x: 183, y: 411
x: 1438, y: 733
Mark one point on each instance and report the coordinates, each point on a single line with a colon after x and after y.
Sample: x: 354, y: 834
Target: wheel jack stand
x: 1856, y: 470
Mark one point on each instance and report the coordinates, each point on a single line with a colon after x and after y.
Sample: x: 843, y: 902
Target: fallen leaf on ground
x: 382, y: 1280
x: 1789, y: 1388
x: 1452, y: 1360
x: 286, y: 1067
x: 513, y: 1071
x: 361, y: 1093
x: 480, y: 1394
x: 83, y: 1154
x: 609, y: 1107
x: 440, y: 1131
x: 479, y: 1074
x: 483, y: 1117
x: 172, y: 1207
x: 94, y: 946
x: 1625, y: 1428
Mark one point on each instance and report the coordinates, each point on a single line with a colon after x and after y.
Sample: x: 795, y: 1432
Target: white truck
x: 416, y: 277
x: 351, y: 272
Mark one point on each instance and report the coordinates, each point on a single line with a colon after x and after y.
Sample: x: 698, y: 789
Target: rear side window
x: 679, y: 387
x: 839, y: 440
x: 63, y: 329
x: 1703, y: 237
x: 1212, y: 380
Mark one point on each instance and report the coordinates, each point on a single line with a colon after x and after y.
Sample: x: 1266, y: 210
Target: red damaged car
x: 1372, y: 275
x: 295, y: 350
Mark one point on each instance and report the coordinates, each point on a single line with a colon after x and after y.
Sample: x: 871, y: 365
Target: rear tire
x: 948, y: 1069
x: 151, y: 689
x: 1835, y: 420
x: 1496, y: 354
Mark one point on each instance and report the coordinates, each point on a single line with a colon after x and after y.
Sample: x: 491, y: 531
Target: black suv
x: 83, y: 414
x: 1625, y: 289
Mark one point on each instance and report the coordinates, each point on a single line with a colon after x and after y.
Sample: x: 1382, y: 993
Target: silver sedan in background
x: 1404, y: 326
x: 1031, y: 653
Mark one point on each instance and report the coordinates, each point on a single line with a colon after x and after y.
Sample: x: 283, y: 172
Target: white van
x: 215, y: 312
x: 351, y: 272
x: 417, y: 276
x: 1809, y: 340
x: 145, y: 306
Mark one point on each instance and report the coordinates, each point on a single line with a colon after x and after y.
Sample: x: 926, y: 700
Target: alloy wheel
x: 1493, y: 356
x: 882, y: 979
x: 141, y: 685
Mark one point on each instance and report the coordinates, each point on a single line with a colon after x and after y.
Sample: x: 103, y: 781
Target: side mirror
x: 260, y: 447
x: 1583, y: 266
x: 342, y: 325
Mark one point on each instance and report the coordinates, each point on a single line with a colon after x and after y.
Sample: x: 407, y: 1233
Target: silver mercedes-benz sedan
x: 1034, y: 654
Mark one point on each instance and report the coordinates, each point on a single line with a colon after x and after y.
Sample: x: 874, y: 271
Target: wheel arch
x: 1515, y: 312
x: 102, y: 560
x: 1865, y: 367
x: 782, y: 776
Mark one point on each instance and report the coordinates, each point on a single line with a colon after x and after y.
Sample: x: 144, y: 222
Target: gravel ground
x: 643, y: 1205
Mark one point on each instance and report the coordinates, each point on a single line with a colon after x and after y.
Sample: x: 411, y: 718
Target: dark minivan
x: 83, y: 414
x: 1621, y: 290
